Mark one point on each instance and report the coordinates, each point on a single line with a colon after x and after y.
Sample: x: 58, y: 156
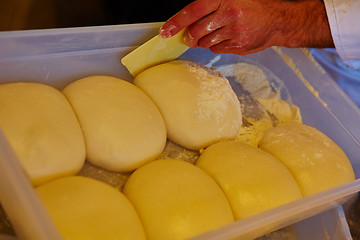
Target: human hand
x: 248, y: 26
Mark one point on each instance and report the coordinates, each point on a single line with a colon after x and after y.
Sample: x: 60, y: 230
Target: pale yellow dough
x: 123, y: 129
x: 43, y: 130
x: 84, y: 208
x: 176, y: 200
x: 280, y: 109
x: 199, y: 108
x: 283, y: 111
x: 252, y: 180
x: 313, y: 158
x: 253, y: 132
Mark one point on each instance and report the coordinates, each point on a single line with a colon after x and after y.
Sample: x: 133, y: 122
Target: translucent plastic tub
x: 58, y: 57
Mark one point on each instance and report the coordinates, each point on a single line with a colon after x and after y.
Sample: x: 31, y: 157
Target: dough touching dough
x: 123, y: 129
x: 198, y: 106
x: 84, y: 208
x: 176, y: 200
x: 252, y: 180
x: 313, y: 158
x: 42, y: 129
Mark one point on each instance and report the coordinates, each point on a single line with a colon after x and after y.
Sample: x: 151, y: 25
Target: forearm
x: 248, y: 26
x: 303, y: 24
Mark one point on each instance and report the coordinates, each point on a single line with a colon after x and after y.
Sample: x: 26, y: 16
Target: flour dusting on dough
x: 214, y: 97
x: 270, y: 93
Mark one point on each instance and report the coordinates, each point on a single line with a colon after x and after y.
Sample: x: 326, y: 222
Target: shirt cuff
x: 344, y: 20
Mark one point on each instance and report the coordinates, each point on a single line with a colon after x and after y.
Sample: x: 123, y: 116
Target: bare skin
x: 248, y: 26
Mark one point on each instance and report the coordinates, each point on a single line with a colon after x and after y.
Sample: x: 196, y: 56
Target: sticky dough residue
x: 267, y: 93
x: 291, y: 64
x: 311, y: 58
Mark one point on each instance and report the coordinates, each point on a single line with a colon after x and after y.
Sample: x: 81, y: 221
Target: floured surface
x: 252, y: 78
x: 283, y: 111
x: 117, y: 180
x: 264, y: 99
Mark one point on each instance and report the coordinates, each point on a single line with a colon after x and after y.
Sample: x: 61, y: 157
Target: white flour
x: 215, y: 95
x: 252, y: 78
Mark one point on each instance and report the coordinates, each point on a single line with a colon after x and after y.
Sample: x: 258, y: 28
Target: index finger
x: 188, y: 15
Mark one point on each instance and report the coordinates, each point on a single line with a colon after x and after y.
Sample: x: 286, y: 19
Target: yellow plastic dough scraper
x: 155, y: 51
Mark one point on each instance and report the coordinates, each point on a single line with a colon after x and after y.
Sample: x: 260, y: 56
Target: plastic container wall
x: 58, y: 57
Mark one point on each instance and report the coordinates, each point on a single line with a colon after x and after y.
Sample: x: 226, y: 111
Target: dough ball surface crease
x: 85, y: 208
x: 123, y: 128
x: 176, y: 200
x: 316, y: 161
x: 252, y: 180
x: 198, y: 104
x: 42, y: 128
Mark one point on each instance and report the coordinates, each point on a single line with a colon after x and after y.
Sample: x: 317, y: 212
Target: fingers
x: 204, y: 32
x: 231, y: 26
x: 228, y: 40
x: 188, y: 15
x: 227, y: 37
x: 214, y: 38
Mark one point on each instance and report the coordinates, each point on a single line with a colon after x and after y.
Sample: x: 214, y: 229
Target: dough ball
x: 199, y: 107
x: 176, y: 200
x: 43, y: 130
x: 316, y: 162
x: 123, y: 129
x: 252, y: 180
x: 84, y: 208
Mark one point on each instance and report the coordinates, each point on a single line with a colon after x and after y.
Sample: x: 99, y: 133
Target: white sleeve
x: 344, y: 19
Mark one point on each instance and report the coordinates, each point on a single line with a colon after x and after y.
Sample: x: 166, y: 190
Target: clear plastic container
x: 59, y: 56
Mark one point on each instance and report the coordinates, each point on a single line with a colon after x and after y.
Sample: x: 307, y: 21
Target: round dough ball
x: 176, y: 200
x: 199, y: 107
x: 316, y: 162
x: 123, y: 129
x: 84, y: 208
x: 252, y: 180
x: 42, y: 129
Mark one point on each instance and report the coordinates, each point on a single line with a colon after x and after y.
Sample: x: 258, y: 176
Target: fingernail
x: 167, y: 31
